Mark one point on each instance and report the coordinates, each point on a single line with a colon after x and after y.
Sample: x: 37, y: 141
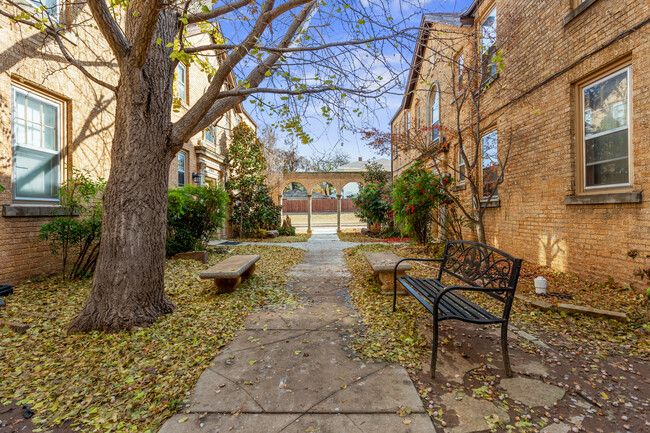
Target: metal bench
x: 483, y: 269
x: 227, y: 275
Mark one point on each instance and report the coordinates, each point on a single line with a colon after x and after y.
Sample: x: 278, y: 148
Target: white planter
x: 540, y: 285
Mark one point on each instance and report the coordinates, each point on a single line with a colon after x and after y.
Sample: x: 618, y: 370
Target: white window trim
x: 183, y: 97
x: 60, y: 142
x: 496, y: 193
x: 461, y: 163
x: 629, y: 131
x: 436, y: 98
x: 178, y: 168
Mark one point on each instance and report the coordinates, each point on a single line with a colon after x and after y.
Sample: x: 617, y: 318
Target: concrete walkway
x: 289, y: 371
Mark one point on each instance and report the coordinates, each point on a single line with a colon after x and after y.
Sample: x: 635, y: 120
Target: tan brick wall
x: 533, y: 221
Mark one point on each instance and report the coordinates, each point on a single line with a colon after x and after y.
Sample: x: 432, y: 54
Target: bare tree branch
x: 110, y: 29
x: 257, y: 75
x: 217, y: 12
x: 211, y: 47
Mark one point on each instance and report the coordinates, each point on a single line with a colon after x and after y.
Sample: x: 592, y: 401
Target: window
x: 461, y: 165
x: 489, y: 144
x: 460, y: 85
x: 36, y: 128
x: 396, y: 141
x: 408, y: 122
x: 434, y: 103
x: 488, y: 44
x: 181, y: 82
x: 606, y: 133
x: 50, y: 7
x: 181, y: 169
x: 417, y: 131
x: 209, y: 135
x: 228, y: 124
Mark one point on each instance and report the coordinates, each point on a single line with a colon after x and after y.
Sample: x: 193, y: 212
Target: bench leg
x: 504, y: 348
x: 434, y: 350
x: 227, y: 285
x: 249, y: 271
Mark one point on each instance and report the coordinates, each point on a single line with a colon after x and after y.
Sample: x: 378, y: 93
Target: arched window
x: 434, y: 109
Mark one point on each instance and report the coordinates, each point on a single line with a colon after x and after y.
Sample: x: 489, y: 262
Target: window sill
x: 609, y: 198
x: 495, y: 202
x: 577, y: 11
x: 33, y: 210
x: 458, y: 188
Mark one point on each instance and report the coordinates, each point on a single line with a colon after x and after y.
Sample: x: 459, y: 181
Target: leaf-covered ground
x: 300, y: 237
x: 131, y: 381
x: 356, y: 236
x: 605, y: 360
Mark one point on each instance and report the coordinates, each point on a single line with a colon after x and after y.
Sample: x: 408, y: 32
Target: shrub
x: 193, y: 215
x: 416, y: 193
x: 79, y: 232
x: 373, y: 203
x: 252, y: 207
x: 288, y: 231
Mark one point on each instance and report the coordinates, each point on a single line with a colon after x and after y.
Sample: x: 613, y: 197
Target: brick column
x: 338, y: 212
x: 309, y: 213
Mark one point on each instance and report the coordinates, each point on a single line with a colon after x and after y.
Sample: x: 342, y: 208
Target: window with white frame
x: 489, y: 144
x: 461, y: 165
x: 209, y: 135
x: 408, y: 122
x: 36, y: 142
x: 606, y: 133
x: 417, y: 120
x: 51, y: 7
x: 396, y: 142
x: 434, y: 109
x: 460, y: 83
x: 181, y: 82
x: 182, y: 169
x: 489, y: 43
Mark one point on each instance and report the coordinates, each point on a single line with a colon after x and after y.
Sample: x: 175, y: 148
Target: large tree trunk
x: 128, y: 284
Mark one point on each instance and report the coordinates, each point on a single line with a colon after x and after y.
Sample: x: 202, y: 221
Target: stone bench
x: 227, y: 275
x: 383, y: 265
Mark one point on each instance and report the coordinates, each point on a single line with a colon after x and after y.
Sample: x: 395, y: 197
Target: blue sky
x: 327, y: 138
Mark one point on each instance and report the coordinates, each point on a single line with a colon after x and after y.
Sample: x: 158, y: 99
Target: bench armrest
x: 395, y: 275
x: 469, y: 289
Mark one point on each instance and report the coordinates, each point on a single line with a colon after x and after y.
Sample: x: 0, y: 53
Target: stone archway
x: 338, y: 179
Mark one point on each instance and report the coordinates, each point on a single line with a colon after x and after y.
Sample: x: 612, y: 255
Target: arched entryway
x: 328, y: 186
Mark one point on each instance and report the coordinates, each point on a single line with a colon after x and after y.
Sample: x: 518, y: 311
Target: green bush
x: 79, y: 232
x: 194, y: 213
x: 373, y: 204
x: 416, y: 193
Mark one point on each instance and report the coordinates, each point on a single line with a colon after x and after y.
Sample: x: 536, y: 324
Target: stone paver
x: 473, y: 414
x: 289, y: 371
x: 531, y: 392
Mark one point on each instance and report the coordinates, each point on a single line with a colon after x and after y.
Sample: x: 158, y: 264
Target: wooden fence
x: 317, y: 205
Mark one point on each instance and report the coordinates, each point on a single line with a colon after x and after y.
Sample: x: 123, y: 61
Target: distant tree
x: 290, y: 159
x: 375, y: 173
x: 329, y: 161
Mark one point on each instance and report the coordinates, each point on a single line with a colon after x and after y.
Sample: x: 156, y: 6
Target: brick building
x: 571, y: 105
x: 52, y: 117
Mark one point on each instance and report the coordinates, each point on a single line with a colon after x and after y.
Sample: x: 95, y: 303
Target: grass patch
x: 356, y: 236
x: 300, y: 237
x: 130, y: 381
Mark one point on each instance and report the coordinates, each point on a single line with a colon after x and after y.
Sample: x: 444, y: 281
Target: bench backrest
x: 481, y: 265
